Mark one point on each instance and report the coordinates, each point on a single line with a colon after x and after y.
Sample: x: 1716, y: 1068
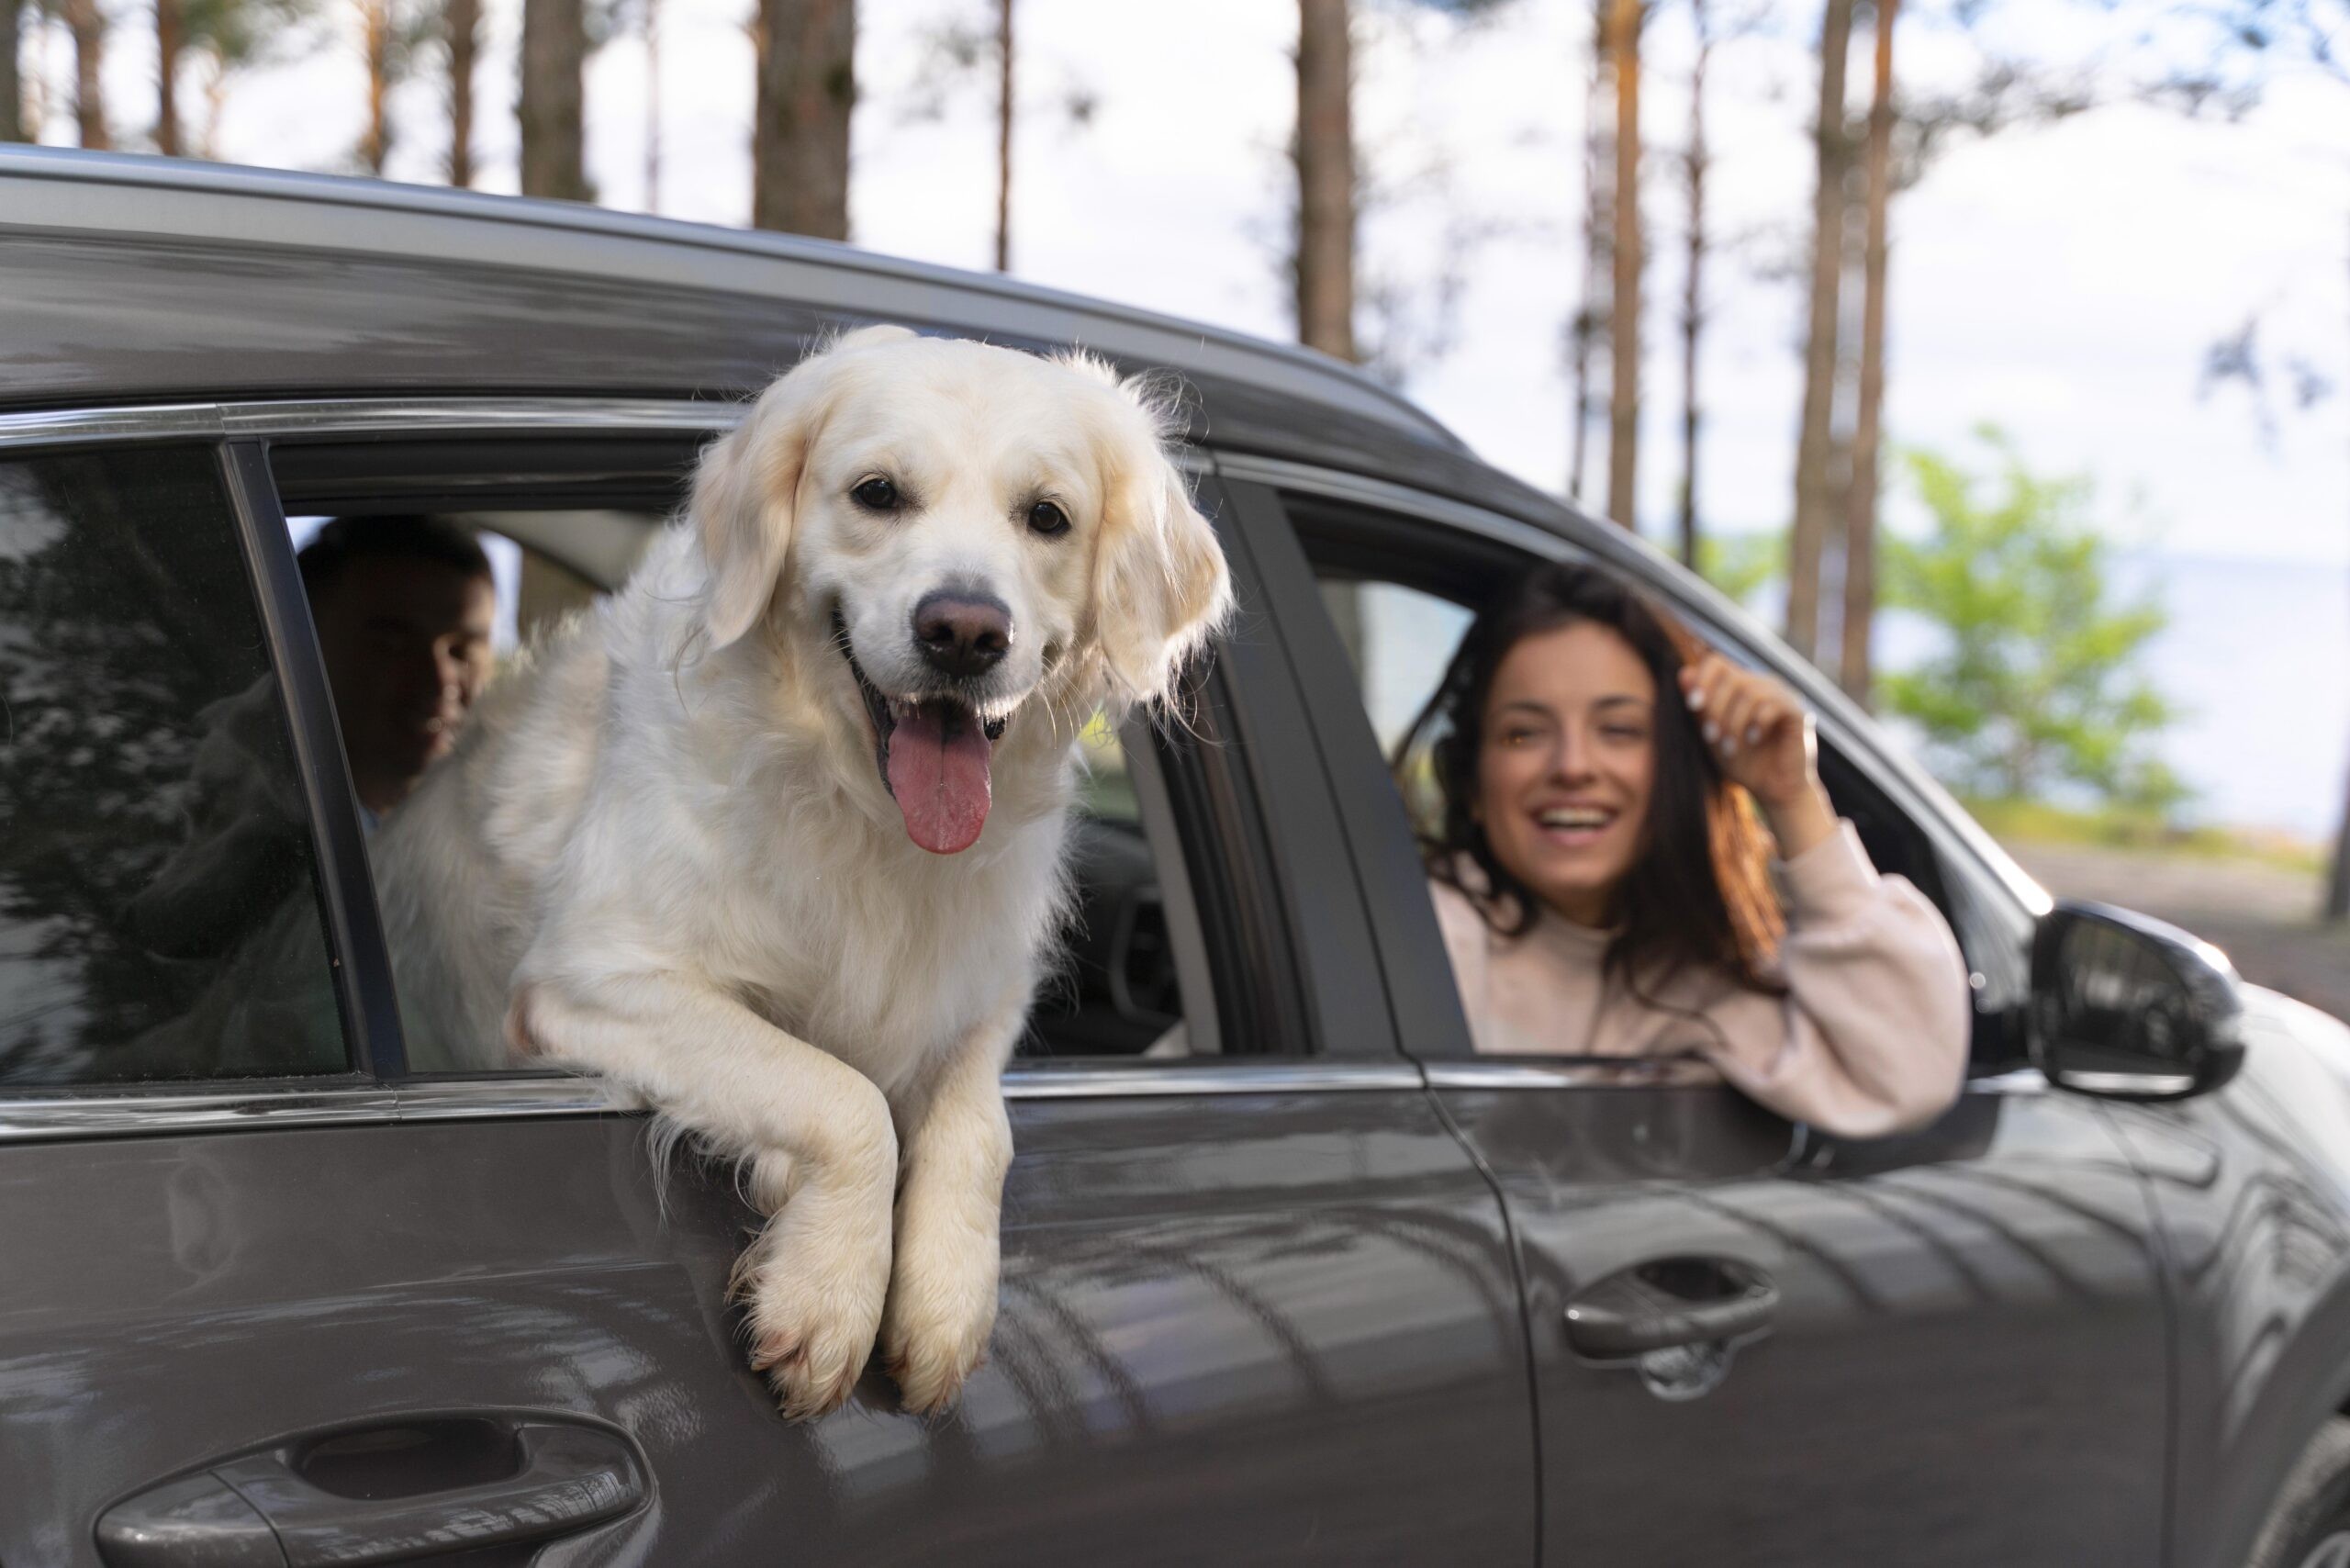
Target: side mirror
x: 2129, y: 1008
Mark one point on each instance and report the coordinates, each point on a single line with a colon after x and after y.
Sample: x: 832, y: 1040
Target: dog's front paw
x: 940, y: 1312
x: 813, y: 1309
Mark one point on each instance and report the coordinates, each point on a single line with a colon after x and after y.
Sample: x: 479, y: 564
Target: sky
x: 2063, y: 282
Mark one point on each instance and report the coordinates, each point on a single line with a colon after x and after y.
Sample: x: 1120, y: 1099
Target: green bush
x: 2038, y: 684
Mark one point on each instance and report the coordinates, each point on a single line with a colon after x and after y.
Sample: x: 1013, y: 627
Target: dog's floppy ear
x: 1160, y: 585
x: 745, y: 486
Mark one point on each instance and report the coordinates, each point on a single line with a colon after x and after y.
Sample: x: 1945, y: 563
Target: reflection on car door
x: 1252, y: 1310
x: 1943, y: 1349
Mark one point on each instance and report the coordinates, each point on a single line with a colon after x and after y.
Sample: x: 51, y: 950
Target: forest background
x: 1997, y: 350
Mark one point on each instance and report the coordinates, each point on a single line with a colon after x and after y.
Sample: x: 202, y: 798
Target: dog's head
x: 974, y: 531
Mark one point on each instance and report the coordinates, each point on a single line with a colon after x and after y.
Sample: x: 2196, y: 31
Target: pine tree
x: 807, y: 64
x: 1817, y: 489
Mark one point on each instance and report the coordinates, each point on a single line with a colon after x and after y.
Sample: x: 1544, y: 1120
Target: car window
x: 1399, y: 598
x: 159, y: 910
x: 1120, y: 986
x: 1129, y: 979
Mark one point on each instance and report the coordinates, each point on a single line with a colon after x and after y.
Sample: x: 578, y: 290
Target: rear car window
x: 158, y: 909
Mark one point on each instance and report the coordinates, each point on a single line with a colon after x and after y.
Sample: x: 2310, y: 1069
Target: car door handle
x: 1667, y: 1302
x: 390, y: 1493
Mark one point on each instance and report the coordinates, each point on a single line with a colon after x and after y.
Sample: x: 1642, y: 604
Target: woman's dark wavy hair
x: 1699, y: 891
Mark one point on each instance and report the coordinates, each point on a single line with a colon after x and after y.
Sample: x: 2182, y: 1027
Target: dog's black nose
x: 962, y: 634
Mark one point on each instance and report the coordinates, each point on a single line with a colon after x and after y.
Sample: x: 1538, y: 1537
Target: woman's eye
x: 1626, y: 734
x: 1047, y: 519
x: 876, y: 494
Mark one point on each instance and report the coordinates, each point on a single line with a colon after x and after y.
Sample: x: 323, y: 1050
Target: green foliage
x: 1743, y: 565
x: 2037, y: 685
x: 242, y: 34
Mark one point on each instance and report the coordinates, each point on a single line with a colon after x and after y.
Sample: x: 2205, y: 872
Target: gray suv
x: 1290, y: 1273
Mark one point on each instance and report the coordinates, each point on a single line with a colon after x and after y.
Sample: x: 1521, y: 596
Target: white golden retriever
x: 774, y: 837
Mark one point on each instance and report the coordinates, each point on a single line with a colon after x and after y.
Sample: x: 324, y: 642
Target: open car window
x: 1134, y: 979
x: 1401, y: 595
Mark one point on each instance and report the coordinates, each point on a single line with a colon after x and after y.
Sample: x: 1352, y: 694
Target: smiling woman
x: 1601, y: 868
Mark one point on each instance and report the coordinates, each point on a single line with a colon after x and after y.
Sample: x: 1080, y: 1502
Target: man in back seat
x: 403, y: 608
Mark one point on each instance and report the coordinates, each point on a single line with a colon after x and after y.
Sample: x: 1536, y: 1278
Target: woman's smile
x: 1570, y: 745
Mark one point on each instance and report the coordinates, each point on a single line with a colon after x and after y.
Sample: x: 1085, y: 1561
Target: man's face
x: 407, y: 645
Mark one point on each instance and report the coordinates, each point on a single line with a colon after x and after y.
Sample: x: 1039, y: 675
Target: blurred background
x: 1996, y: 351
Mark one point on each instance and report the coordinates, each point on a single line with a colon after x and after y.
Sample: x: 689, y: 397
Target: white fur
x: 663, y: 851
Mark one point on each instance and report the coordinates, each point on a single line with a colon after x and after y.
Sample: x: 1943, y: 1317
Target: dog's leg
x: 957, y: 1145
x: 822, y: 1147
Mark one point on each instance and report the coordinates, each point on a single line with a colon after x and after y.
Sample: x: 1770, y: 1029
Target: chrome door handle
x: 1668, y: 1302
x: 353, y: 1496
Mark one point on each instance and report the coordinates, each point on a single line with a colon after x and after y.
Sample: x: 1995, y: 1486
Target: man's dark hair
x: 405, y: 536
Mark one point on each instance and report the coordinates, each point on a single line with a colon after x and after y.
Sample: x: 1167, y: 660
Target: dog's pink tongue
x: 938, y: 771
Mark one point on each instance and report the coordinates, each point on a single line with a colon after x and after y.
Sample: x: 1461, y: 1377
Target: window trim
x: 166, y: 1107
x: 169, y: 1111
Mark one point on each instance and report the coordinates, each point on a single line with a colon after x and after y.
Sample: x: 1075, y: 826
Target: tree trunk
x: 462, y: 21
x: 555, y: 59
x: 652, y: 105
x: 1326, y: 179
x: 1693, y: 296
x: 88, y: 26
x: 1624, y: 307
x: 12, y: 102
x: 2336, y: 908
x: 1003, y: 113
x: 1589, y: 328
x: 807, y: 87
x: 376, y: 30
x: 1854, y: 670
x: 1815, y: 485
x: 170, y: 43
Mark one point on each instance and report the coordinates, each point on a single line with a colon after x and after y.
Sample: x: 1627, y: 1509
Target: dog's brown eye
x: 876, y: 494
x: 1047, y: 519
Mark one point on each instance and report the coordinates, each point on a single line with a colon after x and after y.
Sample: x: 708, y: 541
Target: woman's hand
x: 1763, y: 737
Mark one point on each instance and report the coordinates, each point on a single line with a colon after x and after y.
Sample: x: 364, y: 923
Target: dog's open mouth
x: 932, y: 753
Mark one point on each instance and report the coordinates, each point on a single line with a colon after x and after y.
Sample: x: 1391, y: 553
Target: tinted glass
x: 159, y: 915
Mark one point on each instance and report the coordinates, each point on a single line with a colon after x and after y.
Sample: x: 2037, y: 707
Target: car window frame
x: 1996, y: 903
x: 1237, y: 911
x: 1262, y: 704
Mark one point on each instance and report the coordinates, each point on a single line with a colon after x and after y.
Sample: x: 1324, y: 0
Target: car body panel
x: 1968, y: 1360
x: 2253, y: 1199
x: 1254, y: 1327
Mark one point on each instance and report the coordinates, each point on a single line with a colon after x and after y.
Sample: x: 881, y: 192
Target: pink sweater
x: 1869, y: 1038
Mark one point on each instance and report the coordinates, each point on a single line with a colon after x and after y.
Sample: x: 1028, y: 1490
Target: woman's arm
x: 1875, y: 1028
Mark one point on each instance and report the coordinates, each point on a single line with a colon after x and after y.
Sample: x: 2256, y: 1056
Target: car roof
x: 142, y: 279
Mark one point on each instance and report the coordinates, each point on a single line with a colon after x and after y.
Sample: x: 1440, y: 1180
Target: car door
x: 1754, y: 1343
x: 264, y: 1285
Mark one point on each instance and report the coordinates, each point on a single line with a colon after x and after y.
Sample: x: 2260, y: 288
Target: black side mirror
x: 2129, y: 1008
